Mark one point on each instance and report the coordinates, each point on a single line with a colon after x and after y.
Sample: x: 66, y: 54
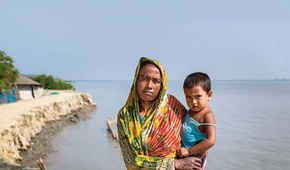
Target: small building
x: 27, y: 88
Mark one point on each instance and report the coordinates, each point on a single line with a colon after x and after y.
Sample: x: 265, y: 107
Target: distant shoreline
x: 75, y: 81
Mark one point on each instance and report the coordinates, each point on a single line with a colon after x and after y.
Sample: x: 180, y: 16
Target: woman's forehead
x: 150, y: 69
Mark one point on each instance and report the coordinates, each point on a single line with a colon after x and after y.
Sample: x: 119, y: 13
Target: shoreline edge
x: 23, y: 120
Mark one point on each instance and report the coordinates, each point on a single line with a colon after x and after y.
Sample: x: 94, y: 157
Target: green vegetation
x: 8, y: 73
x: 49, y: 82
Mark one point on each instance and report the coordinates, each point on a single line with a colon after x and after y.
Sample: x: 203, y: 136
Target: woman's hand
x: 203, y: 155
x: 188, y: 163
x: 182, y: 152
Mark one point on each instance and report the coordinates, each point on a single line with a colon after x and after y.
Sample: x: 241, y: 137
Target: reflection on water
x: 252, y: 127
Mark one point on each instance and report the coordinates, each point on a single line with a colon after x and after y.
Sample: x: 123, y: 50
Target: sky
x: 103, y: 40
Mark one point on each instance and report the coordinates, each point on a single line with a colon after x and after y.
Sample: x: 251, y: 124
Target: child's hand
x: 183, y: 152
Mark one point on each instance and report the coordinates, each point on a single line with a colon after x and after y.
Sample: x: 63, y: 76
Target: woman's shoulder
x: 173, y: 101
x: 122, y: 112
x: 176, y: 106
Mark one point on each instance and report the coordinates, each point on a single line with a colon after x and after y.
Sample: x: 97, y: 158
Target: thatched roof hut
x: 25, y: 81
x: 28, y: 88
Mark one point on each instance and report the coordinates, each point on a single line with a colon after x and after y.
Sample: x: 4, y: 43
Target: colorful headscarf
x: 150, y: 144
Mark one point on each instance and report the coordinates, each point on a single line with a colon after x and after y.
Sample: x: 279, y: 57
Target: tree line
x: 9, y: 75
x: 50, y: 82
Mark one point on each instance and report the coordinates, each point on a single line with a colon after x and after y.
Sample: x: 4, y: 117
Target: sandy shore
x: 25, y: 123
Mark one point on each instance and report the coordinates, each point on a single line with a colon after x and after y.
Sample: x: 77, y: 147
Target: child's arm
x: 210, y: 133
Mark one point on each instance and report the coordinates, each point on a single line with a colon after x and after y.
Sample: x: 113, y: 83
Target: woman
x: 149, y: 124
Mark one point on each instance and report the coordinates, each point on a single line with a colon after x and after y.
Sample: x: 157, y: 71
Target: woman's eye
x: 143, y: 78
x: 155, y: 81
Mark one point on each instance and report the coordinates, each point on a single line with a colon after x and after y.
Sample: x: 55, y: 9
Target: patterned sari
x: 151, y: 143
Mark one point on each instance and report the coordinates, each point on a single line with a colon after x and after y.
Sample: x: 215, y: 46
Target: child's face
x: 196, y: 98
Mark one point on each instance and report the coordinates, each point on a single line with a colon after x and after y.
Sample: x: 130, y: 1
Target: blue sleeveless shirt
x: 190, y: 135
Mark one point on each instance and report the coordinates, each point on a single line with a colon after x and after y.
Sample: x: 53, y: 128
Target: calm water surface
x: 253, y: 125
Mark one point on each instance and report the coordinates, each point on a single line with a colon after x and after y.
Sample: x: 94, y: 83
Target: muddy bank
x: 40, y: 145
x: 27, y: 127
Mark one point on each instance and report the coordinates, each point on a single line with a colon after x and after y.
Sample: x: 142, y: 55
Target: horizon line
x: 275, y: 79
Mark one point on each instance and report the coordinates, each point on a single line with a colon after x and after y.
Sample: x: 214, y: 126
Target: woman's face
x: 149, y: 83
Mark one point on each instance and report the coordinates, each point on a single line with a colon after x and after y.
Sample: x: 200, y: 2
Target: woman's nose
x: 149, y: 83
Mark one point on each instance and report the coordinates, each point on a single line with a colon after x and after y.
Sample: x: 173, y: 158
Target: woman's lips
x: 148, y: 92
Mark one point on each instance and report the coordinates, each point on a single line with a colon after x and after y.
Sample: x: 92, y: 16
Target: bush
x: 49, y: 82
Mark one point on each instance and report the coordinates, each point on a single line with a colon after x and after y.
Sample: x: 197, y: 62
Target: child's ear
x: 209, y: 95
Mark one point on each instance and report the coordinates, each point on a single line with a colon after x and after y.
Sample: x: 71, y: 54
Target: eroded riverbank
x: 26, y: 127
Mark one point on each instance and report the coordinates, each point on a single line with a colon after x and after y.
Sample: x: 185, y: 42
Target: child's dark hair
x: 197, y: 79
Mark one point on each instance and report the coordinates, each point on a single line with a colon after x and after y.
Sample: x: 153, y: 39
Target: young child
x: 198, y: 132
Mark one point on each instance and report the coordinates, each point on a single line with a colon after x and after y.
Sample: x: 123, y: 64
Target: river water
x: 253, y: 125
